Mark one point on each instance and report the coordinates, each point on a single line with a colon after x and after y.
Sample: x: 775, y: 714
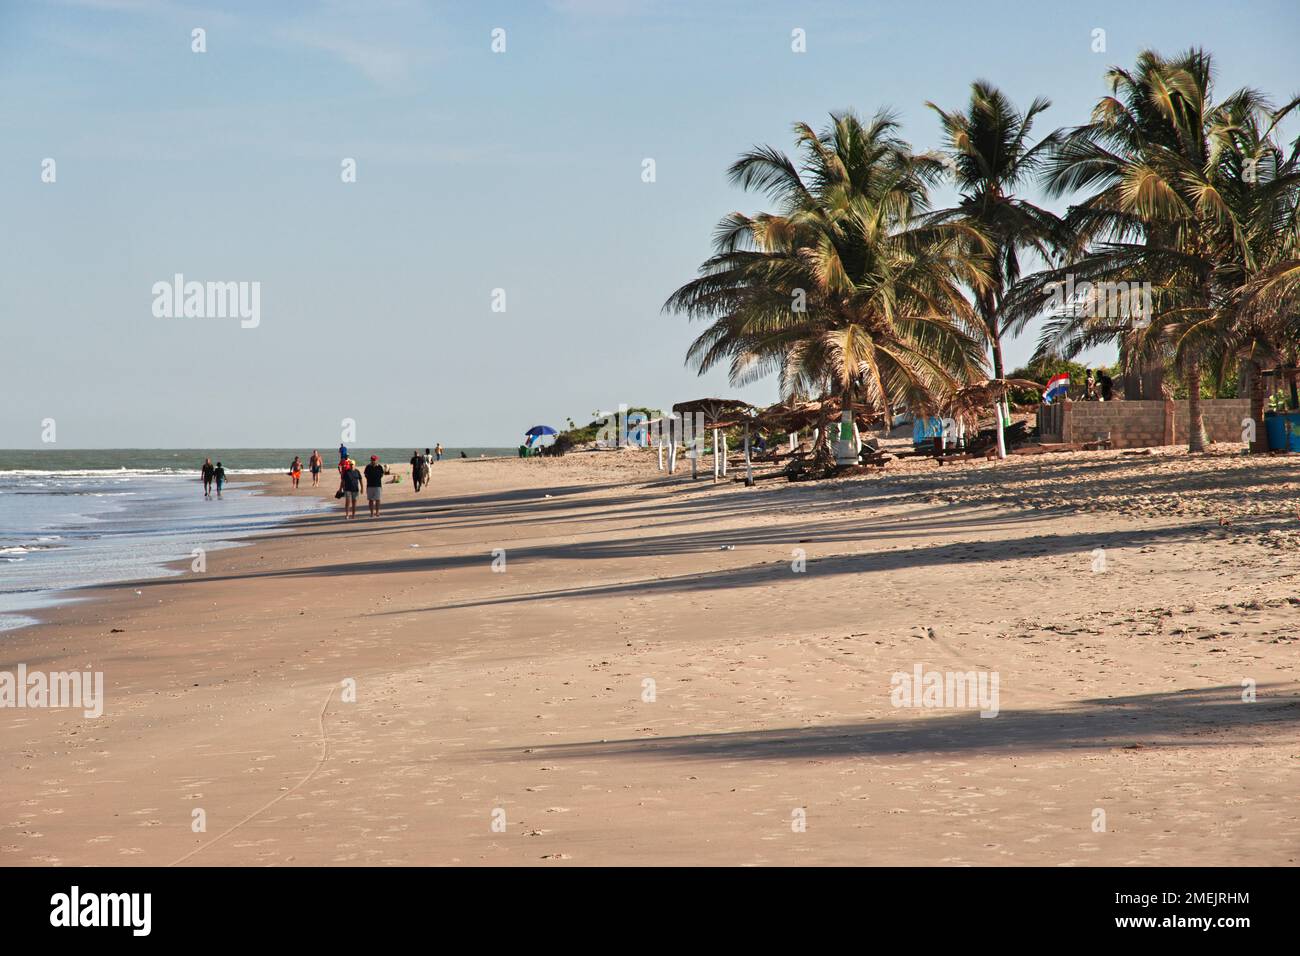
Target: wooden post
x: 749, y: 467
x: 724, y: 454
x: 715, y: 456
x: 1002, y: 445
x: 661, y: 456
x: 672, y: 456
x: 792, y: 441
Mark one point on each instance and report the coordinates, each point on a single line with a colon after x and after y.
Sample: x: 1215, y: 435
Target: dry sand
x: 519, y: 697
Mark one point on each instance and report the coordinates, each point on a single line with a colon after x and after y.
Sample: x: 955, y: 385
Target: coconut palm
x: 1258, y: 322
x: 844, y: 288
x: 989, y: 154
x: 1158, y: 157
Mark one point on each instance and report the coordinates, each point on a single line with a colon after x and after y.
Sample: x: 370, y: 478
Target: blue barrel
x: 1276, y: 427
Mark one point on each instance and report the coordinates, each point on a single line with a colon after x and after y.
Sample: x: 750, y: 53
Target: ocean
x: 74, y: 518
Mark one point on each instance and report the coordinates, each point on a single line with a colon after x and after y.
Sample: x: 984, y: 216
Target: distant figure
x: 463, y: 455
x: 295, y: 471
x: 343, y: 453
x: 316, y: 464
x: 350, y: 487
x: 1107, y: 386
x: 428, y: 458
x: 419, y: 472
x: 374, y: 484
x: 207, y: 477
x: 437, y: 452
x: 219, y: 476
x: 1089, y: 388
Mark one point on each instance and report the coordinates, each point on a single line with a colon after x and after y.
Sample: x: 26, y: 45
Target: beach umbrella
x: 536, y: 432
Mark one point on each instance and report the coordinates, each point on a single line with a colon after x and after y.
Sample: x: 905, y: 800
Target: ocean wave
x: 122, y: 472
x: 28, y: 548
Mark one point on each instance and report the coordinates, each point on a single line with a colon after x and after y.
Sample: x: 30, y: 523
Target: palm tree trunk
x: 823, y: 458
x: 1195, y: 417
x: 1004, y: 404
x: 1260, y: 444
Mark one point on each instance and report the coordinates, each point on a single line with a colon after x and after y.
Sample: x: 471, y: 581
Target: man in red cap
x: 374, y: 484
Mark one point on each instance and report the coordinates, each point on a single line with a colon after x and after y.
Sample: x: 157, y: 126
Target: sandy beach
x: 583, y: 661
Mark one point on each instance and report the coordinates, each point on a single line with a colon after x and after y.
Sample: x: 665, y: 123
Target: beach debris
x: 727, y: 547
x: 117, y: 630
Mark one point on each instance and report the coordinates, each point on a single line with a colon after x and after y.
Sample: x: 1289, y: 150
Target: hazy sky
x: 476, y: 171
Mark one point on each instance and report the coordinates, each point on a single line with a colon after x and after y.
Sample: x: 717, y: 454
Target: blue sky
x: 475, y: 171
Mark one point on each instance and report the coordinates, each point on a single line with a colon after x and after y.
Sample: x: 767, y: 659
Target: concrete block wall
x: 1144, y: 424
x: 1222, y: 419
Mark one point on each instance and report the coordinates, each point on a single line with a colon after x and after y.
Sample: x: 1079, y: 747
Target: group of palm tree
x: 856, y: 286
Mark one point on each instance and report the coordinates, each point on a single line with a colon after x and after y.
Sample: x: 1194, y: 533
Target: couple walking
x: 212, y: 475
x: 420, y: 465
x: 350, y: 478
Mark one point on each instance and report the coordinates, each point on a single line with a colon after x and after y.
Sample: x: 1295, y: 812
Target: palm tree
x: 1157, y: 157
x: 1259, y: 321
x: 845, y: 288
x: 990, y: 155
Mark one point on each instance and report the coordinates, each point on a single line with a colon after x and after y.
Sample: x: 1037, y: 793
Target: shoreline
x: 524, y: 691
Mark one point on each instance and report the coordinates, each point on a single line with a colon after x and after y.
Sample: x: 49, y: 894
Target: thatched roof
x: 804, y: 414
x: 718, y: 412
x: 979, y: 397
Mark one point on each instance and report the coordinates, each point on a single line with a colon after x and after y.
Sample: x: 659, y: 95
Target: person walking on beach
x: 315, y: 463
x: 207, y: 477
x: 219, y: 476
x: 295, y: 471
x: 349, y: 487
x: 374, y: 484
x: 419, y: 474
x: 437, y: 452
x: 343, y: 455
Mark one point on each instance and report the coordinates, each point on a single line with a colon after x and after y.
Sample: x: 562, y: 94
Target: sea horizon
x: 237, y: 461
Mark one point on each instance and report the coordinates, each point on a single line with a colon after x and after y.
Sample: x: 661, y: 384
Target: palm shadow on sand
x: 1194, y: 717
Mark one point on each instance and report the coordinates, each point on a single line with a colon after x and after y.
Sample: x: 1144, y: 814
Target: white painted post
x: 724, y: 454
x: 672, y: 456
x: 661, y: 456
x: 715, y: 455
x: 792, y: 441
x: 1002, y: 445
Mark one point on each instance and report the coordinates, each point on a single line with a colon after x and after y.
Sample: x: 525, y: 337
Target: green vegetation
x: 853, y: 286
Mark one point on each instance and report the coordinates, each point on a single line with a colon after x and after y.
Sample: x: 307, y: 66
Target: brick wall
x: 1143, y: 424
